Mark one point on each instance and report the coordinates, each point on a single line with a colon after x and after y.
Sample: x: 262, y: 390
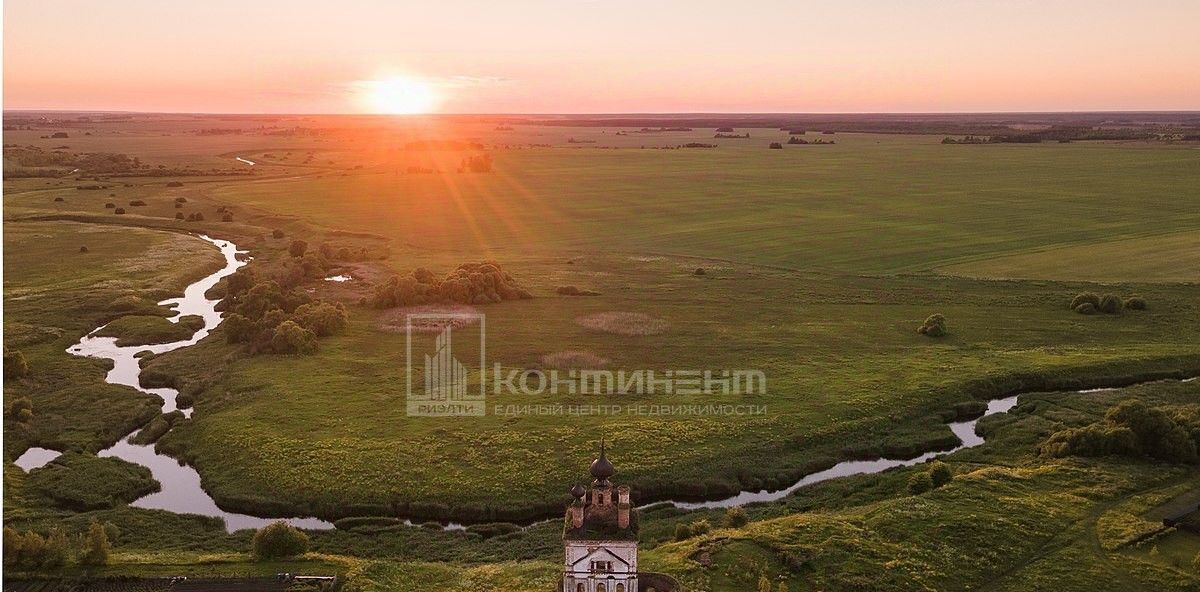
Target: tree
x: 919, y: 483
x: 783, y: 587
x: 279, y: 539
x: 54, y: 554
x: 96, y: 547
x: 277, y: 233
x: 297, y: 248
x: 290, y: 338
x: 735, y: 517
x: 12, y: 545
x: 701, y: 527
x: 113, y: 532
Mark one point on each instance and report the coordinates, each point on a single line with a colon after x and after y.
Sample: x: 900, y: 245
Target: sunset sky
x: 601, y: 56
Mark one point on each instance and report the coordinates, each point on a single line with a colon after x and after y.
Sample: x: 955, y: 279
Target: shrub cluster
x: 29, y: 550
x: 687, y: 531
x: 272, y: 319
x: 1132, y: 428
x: 470, y: 283
x: 279, y: 539
x: 1089, y: 303
x: 934, y: 326
x: 935, y: 475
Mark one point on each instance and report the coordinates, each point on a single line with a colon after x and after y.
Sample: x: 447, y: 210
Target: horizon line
x: 606, y: 113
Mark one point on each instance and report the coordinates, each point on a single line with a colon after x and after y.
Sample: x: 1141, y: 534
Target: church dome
x: 601, y: 468
x: 578, y: 491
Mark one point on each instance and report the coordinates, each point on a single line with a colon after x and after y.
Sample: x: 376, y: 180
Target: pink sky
x: 605, y: 56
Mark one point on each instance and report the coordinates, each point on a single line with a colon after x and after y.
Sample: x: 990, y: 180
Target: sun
x: 399, y: 95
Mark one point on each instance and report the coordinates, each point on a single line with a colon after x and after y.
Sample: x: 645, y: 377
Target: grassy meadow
x: 820, y: 262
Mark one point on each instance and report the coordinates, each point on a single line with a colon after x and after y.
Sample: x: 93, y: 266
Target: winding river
x: 181, y: 489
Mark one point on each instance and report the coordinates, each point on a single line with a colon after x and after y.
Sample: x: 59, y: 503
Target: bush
x: 297, y: 248
x: 119, y: 211
x: 227, y: 217
x: 775, y: 146
x: 21, y: 409
x: 181, y: 200
x: 701, y: 527
x: 175, y: 184
x: 699, y: 271
x: 682, y: 532
x: 291, y: 338
x: 110, y: 205
x: 1087, y: 308
x: 1085, y: 298
x: 15, y: 365
x: 934, y: 326
x: 1110, y: 304
x: 137, y: 202
x: 278, y: 540
x: 178, y: 206
x: 179, y: 215
x: 735, y: 517
x: 277, y: 233
x: 919, y: 483
x: 940, y: 473
x: 59, y: 199
x: 1135, y: 303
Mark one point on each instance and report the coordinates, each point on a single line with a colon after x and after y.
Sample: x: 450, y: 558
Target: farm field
x: 817, y: 265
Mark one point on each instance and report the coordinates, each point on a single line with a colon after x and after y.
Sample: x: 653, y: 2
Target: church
x: 600, y: 535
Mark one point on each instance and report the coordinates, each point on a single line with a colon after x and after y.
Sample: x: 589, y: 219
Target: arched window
x: 600, y: 588
x: 620, y: 588
x: 579, y: 587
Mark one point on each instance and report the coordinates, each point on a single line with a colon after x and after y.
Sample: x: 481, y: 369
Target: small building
x: 600, y: 535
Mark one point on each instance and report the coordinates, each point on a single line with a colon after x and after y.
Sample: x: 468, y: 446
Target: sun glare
x: 399, y: 95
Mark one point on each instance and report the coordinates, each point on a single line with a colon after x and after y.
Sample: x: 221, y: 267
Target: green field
x: 819, y: 262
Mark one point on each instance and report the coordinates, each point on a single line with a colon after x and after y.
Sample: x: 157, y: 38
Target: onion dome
x: 601, y: 468
x: 578, y: 491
